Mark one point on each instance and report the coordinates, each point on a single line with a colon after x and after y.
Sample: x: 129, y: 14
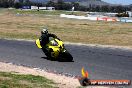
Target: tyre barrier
x: 113, y: 19
x: 106, y: 19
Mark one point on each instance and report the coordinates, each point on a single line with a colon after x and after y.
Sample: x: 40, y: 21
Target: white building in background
x: 34, y: 7
x: 50, y: 8
x: 42, y: 8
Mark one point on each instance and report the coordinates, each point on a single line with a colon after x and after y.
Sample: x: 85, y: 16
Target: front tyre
x: 47, y: 53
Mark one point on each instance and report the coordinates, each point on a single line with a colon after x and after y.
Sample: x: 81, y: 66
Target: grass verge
x: 10, y: 80
x: 13, y: 25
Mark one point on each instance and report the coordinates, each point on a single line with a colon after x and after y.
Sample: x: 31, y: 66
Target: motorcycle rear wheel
x: 65, y: 56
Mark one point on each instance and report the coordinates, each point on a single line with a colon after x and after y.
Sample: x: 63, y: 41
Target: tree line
x: 61, y: 5
x: 7, y: 3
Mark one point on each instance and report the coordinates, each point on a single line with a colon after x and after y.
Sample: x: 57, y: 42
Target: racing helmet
x: 44, y: 31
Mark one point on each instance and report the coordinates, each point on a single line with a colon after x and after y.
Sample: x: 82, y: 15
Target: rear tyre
x: 65, y: 56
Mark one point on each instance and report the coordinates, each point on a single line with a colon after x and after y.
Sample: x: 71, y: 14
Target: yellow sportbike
x: 56, y: 50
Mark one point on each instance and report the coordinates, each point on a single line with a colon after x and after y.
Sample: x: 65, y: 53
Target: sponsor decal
x: 86, y: 81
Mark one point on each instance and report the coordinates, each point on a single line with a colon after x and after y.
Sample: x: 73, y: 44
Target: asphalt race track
x: 101, y: 63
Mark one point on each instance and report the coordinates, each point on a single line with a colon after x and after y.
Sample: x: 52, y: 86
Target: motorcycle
x: 56, y: 49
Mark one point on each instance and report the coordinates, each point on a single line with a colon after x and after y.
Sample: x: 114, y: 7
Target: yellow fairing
x: 55, y: 53
x: 56, y: 49
x: 38, y: 43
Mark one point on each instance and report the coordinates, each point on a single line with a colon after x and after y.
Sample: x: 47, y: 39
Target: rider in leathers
x: 44, y: 39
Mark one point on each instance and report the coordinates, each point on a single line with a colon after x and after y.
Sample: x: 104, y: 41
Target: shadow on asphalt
x: 55, y: 60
